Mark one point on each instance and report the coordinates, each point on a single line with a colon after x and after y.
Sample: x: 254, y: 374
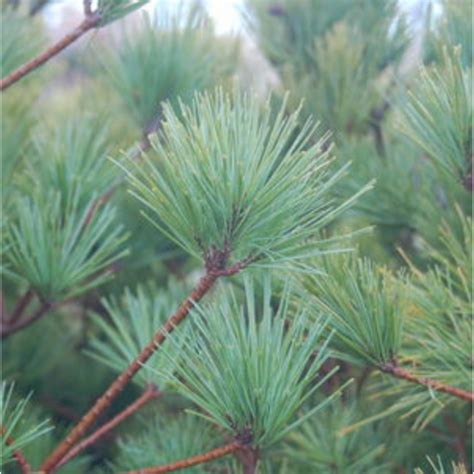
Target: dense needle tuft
x: 230, y: 176
x: 248, y: 370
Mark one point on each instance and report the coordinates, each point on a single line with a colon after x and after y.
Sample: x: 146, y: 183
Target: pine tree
x: 196, y: 278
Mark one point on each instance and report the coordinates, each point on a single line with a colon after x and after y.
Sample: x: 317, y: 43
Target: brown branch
x: 150, y: 393
x: 398, y: 372
x: 21, y: 305
x: 376, y: 117
x: 87, y: 8
x: 235, y: 268
x: 248, y: 456
x: 87, y: 24
x: 468, y: 180
x: 8, y: 330
x: 17, y: 454
x: 101, y: 200
x: 46, y: 306
x: 192, y: 461
x: 204, y: 285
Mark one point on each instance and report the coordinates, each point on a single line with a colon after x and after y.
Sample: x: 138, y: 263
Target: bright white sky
x: 224, y: 12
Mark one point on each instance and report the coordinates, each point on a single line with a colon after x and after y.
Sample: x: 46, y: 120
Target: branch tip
x: 393, y: 369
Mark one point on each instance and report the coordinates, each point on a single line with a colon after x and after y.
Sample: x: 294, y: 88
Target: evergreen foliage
x: 165, y: 440
x: 438, y: 116
x: 228, y: 179
x: 365, y: 308
x: 141, y: 174
x: 111, y: 10
x: 189, y: 59
x: 454, y: 28
x: 56, y: 251
x: 17, y: 427
x: 319, y: 447
x: 438, y: 468
x: 15, y: 50
x: 245, y: 372
x: 16, y: 124
x: 132, y: 323
x: 77, y: 162
x: 336, y: 50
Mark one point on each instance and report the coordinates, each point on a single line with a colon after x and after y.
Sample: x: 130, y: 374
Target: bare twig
x: 87, y: 24
x: 150, y: 393
x: 21, y: 305
x: 87, y: 8
x: 468, y: 180
x: 192, y: 461
x: 101, y: 200
x: 204, y: 285
x: 235, y: 268
x: 248, y: 456
x: 7, y: 330
x: 398, y: 372
x: 377, y: 115
x: 215, y: 264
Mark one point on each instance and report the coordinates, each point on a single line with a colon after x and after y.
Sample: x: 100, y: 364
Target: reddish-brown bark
x: 9, y: 329
x: 404, y: 374
x: 87, y: 24
x: 204, y: 285
x: 193, y: 461
x: 21, y: 305
x: 149, y: 394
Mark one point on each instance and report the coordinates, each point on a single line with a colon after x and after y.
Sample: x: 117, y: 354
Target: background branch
x: 192, y: 461
x: 8, y: 330
x: 150, y: 393
x: 399, y: 372
x: 204, y: 285
x: 87, y: 24
x: 87, y: 8
x: 21, y: 305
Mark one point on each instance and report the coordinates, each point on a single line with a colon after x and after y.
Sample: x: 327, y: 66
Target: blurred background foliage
x: 397, y: 100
